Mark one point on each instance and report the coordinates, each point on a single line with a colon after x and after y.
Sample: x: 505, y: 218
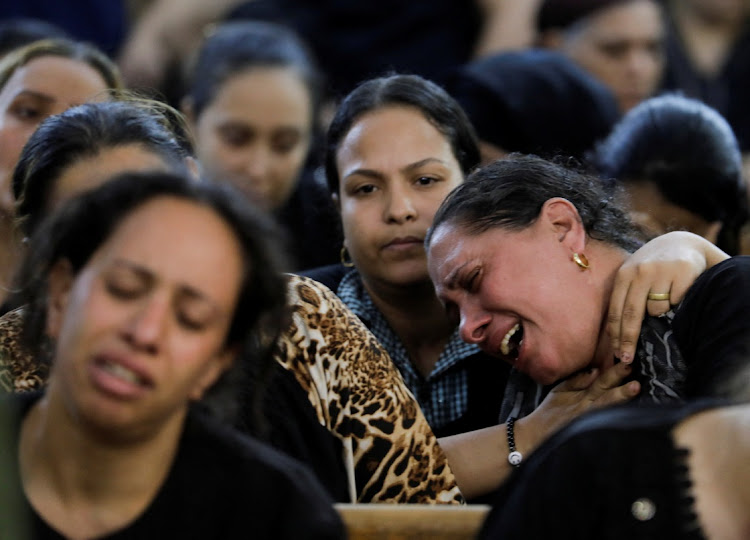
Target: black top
x: 612, y: 474
x: 223, y: 485
x: 311, y: 223
x: 354, y: 41
x: 726, y: 92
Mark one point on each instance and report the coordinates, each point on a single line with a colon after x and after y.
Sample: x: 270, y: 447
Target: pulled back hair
x: 689, y: 152
x: 509, y: 194
x: 239, y: 46
x: 85, y: 223
x: 65, y: 48
x: 563, y: 14
x: 534, y: 101
x: 83, y: 132
x: 435, y: 104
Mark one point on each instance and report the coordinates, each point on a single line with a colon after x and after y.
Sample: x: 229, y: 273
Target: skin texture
x: 45, y: 86
x: 493, y: 280
x: 256, y: 133
x: 91, y: 172
x: 390, y: 192
x: 656, y: 215
x: 622, y: 47
x: 140, y: 331
x: 161, y: 314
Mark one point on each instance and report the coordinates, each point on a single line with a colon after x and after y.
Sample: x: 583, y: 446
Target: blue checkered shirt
x: 443, y: 395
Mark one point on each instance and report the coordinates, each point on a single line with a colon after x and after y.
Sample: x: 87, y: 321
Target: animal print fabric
x: 391, y: 454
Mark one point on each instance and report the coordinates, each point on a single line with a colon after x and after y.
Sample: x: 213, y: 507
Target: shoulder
x: 245, y: 482
x: 19, y: 369
x: 330, y: 275
x: 605, y: 462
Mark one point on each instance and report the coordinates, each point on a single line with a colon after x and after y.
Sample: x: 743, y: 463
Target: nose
x: 146, y: 326
x: 400, y: 207
x: 474, y: 324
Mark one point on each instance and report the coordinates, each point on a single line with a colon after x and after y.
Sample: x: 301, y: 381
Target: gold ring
x: 658, y: 296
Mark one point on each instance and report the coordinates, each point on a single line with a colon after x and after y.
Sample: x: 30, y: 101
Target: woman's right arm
x: 479, y: 459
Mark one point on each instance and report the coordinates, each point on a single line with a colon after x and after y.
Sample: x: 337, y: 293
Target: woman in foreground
x: 118, y: 445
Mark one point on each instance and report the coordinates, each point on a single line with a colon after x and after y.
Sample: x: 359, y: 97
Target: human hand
x: 669, y: 264
x: 571, y: 398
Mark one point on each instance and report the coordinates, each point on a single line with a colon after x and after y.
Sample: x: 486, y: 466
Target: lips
x: 120, y: 376
x: 404, y: 241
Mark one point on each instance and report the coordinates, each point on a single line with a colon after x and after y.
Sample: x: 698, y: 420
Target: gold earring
x: 345, y: 259
x: 581, y: 260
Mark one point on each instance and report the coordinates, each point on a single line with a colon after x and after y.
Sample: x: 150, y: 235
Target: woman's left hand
x: 667, y: 265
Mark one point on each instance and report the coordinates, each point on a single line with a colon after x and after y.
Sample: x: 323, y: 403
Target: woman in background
x: 681, y: 168
x: 36, y: 81
x: 252, y: 99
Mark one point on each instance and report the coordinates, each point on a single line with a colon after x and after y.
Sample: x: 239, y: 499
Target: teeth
x: 504, y: 348
x: 122, y: 372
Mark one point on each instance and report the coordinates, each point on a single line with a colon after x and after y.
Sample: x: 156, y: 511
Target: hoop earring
x: 581, y: 260
x: 344, y: 257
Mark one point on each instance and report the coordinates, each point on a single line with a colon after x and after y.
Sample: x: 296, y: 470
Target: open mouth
x: 122, y: 373
x: 512, y: 341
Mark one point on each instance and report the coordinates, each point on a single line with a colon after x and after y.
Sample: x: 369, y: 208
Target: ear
x: 186, y: 106
x: 193, y: 167
x: 336, y: 202
x: 711, y: 233
x: 60, y: 283
x: 551, y: 39
x: 561, y: 216
x: 217, y: 365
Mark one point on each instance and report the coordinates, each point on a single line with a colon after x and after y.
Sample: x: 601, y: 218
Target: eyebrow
x: 35, y: 94
x: 452, y: 277
x: 147, y: 274
x: 407, y: 168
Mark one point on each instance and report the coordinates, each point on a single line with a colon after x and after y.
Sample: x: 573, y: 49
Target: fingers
x: 608, y: 380
x: 625, y: 313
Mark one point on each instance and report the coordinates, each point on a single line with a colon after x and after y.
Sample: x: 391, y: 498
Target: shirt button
x: 643, y: 509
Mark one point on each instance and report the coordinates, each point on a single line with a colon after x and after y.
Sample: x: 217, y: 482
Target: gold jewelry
x: 581, y: 260
x: 345, y: 259
x: 658, y: 296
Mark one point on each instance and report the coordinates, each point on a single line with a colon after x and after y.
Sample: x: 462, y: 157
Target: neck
x: 83, y: 484
x: 708, y: 42
x: 608, y: 259
x: 10, y: 253
x: 417, y: 317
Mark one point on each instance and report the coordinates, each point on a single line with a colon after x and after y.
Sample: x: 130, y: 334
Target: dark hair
x: 65, y: 48
x: 509, y: 194
x: 239, y: 46
x: 563, y: 14
x: 18, y: 31
x: 440, y: 109
x: 687, y: 149
x: 534, y: 101
x: 82, y: 132
x: 86, y: 222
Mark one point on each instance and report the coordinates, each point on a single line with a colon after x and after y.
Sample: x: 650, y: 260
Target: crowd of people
x: 302, y: 255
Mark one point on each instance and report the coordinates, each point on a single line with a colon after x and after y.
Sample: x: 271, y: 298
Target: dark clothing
x: 485, y: 375
x: 612, y: 474
x: 727, y: 92
x: 358, y: 40
x: 105, y: 24
x: 311, y: 224
x: 690, y: 353
x: 292, y: 426
x: 223, y: 485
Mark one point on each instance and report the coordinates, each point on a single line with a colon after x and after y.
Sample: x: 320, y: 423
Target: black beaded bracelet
x: 514, y: 456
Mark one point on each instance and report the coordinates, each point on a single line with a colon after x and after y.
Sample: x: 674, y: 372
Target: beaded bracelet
x: 514, y: 456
